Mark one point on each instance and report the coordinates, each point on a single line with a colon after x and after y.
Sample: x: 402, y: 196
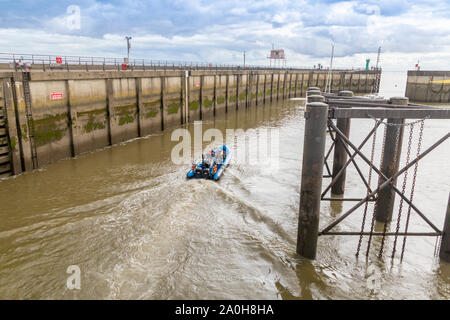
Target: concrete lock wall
x: 428, y: 86
x: 76, y: 112
x: 5, y: 167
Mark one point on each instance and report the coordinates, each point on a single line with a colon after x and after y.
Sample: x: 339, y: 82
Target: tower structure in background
x: 277, y: 58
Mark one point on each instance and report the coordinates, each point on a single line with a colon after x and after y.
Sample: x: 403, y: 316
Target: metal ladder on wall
x: 27, y: 98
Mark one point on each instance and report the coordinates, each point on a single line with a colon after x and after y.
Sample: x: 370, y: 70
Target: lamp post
x: 244, y: 58
x: 128, y: 47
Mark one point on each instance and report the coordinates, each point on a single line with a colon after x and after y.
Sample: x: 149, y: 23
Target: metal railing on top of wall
x: 61, y: 62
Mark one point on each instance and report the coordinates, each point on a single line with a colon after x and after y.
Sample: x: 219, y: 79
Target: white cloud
x: 220, y: 31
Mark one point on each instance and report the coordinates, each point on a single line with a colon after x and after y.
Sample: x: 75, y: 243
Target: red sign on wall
x: 56, y: 95
x: 58, y: 60
x: 197, y: 84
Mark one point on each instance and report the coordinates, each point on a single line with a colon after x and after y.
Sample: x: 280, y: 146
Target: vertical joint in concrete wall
x: 257, y: 89
x: 71, y: 115
x: 187, y: 94
x: 311, y: 185
x: 301, y: 87
x: 271, y: 87
x: 237, y: 91
x: 264, y: 88
x: 390, y: 163
x: 163, y: 100
x: 109, y: 109
x: 247, y: 88
x: 140, y: 105
x: 296, y: 82
x: 201, y: 96
x: 215, y: 94
x: 278, y: 86
x: 444, y: 251
x: 227, y: 80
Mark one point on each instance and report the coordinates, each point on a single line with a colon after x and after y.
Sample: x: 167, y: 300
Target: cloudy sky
x: 219, y: 31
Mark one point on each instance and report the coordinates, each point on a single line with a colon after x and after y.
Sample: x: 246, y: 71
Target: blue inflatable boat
x: 211, y: 165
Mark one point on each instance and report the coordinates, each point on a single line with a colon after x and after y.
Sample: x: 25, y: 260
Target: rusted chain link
x: 376, y: 202
x: 400, y: 124
x: 413, y: 186
x: 374, y: 139
x: 405, y: 178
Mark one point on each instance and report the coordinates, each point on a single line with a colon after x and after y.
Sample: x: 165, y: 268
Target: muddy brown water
x: 138, y: 230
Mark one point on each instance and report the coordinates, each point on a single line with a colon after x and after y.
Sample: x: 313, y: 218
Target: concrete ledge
x: 429, y: 73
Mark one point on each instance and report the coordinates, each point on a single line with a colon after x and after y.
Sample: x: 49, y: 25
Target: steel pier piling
x: 311, y: 185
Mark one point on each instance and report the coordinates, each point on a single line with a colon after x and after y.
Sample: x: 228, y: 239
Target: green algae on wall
x: 92, y: 112
x: 92, y: 124
x: 242, y: 96
x: 153, y: 103
x: 208, y: 103
x: 24, y: 132
x: 150, y: 114
x: 13, y: 144
x: 49, y: 129
x: 154, y: 107
x: 220, y: 100
x: 232, y: 98
x: 126, y: 114
x: 173, y: 108
x: 193, y: 105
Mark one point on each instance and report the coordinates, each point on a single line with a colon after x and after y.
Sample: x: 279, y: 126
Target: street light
x: 128, y: 47
x: 244, y: 58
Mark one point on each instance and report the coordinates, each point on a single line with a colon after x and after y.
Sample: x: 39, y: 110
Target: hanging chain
x: 376, y: 202
x: 368, y: 188
x: 396, y: 156
x: 405, y: 178
x: 406, y: 124
x: 413, y: 186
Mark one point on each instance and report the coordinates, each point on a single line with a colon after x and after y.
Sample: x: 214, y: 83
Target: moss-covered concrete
x: 13, y: 143
x: 194, y: 105
x: 93, y: 123
x: 152, y: 103
x: 152, y: 109
x: 126, y: 114
x: 49, y: 129
x: 150, y: 114
x: 173, y: 108
x: 207, y: 103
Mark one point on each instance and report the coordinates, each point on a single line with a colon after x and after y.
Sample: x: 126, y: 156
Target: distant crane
x: 378, y: 57
x: 376, y: 85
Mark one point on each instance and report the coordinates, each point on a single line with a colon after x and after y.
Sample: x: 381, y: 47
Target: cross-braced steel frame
x: 318, y: 125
